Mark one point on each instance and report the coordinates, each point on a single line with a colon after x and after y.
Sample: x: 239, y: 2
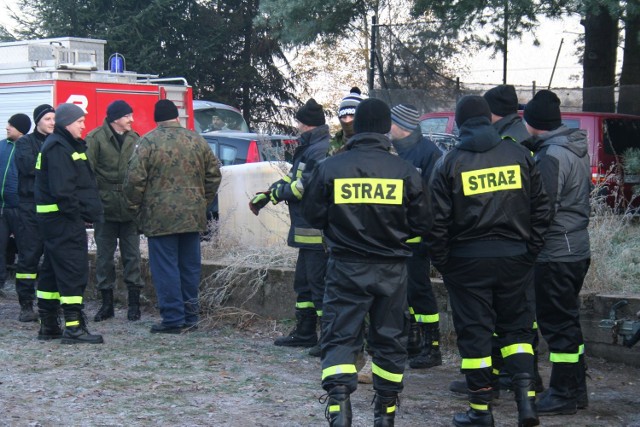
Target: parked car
x: 609, y: 135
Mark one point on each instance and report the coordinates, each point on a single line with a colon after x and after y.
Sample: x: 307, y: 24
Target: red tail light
x: 598, y: 174
x: 253, y: 155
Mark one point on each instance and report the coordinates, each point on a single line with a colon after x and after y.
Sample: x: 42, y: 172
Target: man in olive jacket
x: 173, y: 175
x: 109, y: 148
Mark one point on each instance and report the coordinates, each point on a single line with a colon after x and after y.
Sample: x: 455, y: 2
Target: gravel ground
x: 223, y: 376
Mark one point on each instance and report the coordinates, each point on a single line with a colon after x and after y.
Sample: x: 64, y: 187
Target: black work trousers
x: 9, y: 223
x: 558, y: 286
x: 488, y: 295
x: 65, y: 269
x: 354, y: 289
x: 308, y: 279
x: 31, y: 250
x: 422, y: 301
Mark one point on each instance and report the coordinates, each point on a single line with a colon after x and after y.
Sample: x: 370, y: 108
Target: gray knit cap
x: 67, y: 114
x: 406, y: 116
x: 350, y: 102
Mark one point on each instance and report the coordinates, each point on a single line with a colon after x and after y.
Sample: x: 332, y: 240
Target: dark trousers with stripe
x: 558, y: 286
x: 31, y: 250
x: 354, y: 289
x: 9, y: 223
x: 65, y: 269
x: 488, y: 295
x: 308, y: 280
x: 422, y: 300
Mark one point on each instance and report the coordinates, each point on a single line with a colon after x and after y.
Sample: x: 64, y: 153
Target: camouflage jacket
x: 173, y: 175
x: 337, y: 144
x: 109, y: 161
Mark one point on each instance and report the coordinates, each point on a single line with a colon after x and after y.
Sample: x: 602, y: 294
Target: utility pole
x: 372, y: 51
x: 505, y: 40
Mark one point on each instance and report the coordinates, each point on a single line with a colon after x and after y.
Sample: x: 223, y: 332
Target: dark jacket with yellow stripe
x: 368, y: 201
x: 65, y: 183
x: 312, y: 147
x: 487, y: 198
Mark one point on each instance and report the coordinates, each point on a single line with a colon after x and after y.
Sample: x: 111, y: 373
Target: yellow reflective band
x: 339, y: 369
x: 427, y: 318
x: 581, y: 349
x: 334, y: 408
x: 411, y: 311
x: 72, y: 323
x: 319, y: 313
x: 305, y: 304
x: 389, y: 376
x: 564, y: 357
x: 535, y: 325
x: 478, y: 363
x: 415, y: 240
x: 286, y: 179
x: 491, y: 179
x: 479, y: 407
x: 78, y: 156
x: 369, y: 190
x: 495, y: 371
x: 70, y: 300
x: 295, y: 191
x: 531, y: 393
x: 48, y: 295
x: 299, y: 173
x: 26, y: 276
x: 391, y: 409
x: 38, y: 161
x: 312, y: 240
x: 47, y: 208
x: 518, y: 348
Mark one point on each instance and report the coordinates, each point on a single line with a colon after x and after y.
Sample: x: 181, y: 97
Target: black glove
x: 259, y: 201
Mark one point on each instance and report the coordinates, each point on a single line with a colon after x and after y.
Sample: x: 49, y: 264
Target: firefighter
x: 66, y: 196
x: 368, y: 203
x: 489, y: 213
x: 308, y: 282
x: 563, y: 157
x: 109, y: 148
x: 424, y: 335
x: 30, y: 240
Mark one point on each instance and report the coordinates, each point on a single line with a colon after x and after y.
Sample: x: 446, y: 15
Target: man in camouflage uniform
x: 109, y: 148
x: 170, y: 200
x: 346, y: 112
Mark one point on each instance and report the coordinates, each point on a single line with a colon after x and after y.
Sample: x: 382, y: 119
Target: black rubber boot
x: 304, y: 334
x: 384, y: 411
x: 415, y: 341
x: 560, y: 397
x: 524, y: 389
x: 430, y: 355
x: 479, y: 413
x: 133, y: 313
x: 49, y: 325
x: 106, y: 309
x: 338, y: 411
x: 582, y: 395
x: 75, y: 330
x: 316, y: 350
x: 26, y: 311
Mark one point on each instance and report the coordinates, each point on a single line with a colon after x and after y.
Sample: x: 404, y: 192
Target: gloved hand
x: 259, y: 201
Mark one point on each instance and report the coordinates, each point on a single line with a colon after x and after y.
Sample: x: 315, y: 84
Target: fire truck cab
x: 71, y: 69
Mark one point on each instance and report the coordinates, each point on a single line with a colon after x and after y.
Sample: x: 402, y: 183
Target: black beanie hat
x: 471, y: 106
x: 372, y: 115
x: 502, y: 100
x: 22, y: 122
x: 311, y: 114
x: 165, y: 110
x: 543, y: 111
x: 118, y: 109
x: 40, y: 111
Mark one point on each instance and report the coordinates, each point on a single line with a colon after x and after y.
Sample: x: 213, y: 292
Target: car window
x: 571, y: 123
x: 620, y: 135
x: 210, y: 119
x: 434, y: 125
x: 227, y: 155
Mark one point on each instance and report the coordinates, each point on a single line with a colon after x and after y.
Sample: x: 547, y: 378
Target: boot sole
x: 72, y: 341
x: 49, y: 337
x: 559, y: 412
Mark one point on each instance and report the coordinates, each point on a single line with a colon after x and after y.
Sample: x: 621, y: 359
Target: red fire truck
x: 70, y: 69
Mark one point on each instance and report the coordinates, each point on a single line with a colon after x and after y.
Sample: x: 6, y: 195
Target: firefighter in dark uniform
x: 424, y: 335
x: 67, y: 198
x: 308, y: 281
x: 30, y: 240
x: 369, y: 203
x: 489, y: 212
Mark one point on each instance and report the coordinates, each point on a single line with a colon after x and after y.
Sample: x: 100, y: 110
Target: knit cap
x: 502, y: 100
x: 68, y: 113
x: 350, y: 102
x: 543, y: 111
x: 40, y: 111
x: 118, y: 109
x: 311, y: 114
x: 406, y: 116
x: 165, y: 110
x: 372, y: 115
x: 22, y: 122
x: 471, y: 106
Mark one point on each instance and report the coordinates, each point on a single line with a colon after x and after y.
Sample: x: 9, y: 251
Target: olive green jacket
x: 109, y: 162
x: 173, y: 176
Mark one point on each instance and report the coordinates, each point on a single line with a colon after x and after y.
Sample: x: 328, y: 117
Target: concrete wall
x: 275, y: 299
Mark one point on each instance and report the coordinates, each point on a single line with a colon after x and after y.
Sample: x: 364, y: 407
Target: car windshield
x: 211, y: 119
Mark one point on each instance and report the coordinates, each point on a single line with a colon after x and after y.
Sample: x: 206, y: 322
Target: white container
x: 237, y: 223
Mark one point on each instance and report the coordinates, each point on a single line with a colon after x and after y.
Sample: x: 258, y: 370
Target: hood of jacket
x: 314, y: 135
x: 369, y: 140
x: 574, y: 140
x: 478, y: 135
